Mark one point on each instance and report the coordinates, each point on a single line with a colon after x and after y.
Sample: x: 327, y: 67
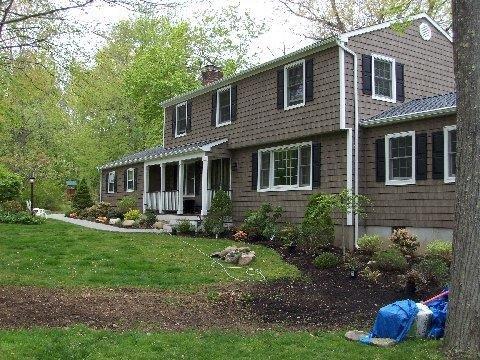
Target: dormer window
x: 383, y: 78
x: 294, y: 84
x: 181, y: 122
x: 224, y: 106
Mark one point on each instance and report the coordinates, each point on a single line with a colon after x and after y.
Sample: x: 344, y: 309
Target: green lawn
x: 82, y: 343
x: 57, y: 254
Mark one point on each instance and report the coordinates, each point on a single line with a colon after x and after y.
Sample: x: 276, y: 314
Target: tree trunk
x: 463, y: 324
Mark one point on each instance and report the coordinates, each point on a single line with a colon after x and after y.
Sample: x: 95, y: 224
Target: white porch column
x: 204, y: 185
x: 180, y: 187
x: 162, y: 188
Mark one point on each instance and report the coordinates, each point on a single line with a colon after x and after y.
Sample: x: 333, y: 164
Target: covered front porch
x: 185, y: 184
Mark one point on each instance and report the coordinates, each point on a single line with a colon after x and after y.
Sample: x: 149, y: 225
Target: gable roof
x: 296, y: 55
x: 416, y: 109
x: 160, y: 151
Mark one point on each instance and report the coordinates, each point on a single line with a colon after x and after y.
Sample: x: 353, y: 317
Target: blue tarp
x: 439, y: 317
x: 393, y: 321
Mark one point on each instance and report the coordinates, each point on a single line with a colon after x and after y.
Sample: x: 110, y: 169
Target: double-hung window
x: 450, y: 153
x: 130, y: 180
x: 111, y: 182
x: 285, y: 168
x: 294, y: 84
x: 400, y: 158
x: 181, y: 122
x: 224, y: 106
x: 383, y: 78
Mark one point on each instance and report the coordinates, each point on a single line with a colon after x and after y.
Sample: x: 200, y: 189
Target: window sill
x: 129, y: 190
x: 180, y: 135
x: 449, y: 179
x: 400, y: 182
x: 224, y: 124
x: 384, y: 98
x: 286, y: 188
x: 110, y: 192
x: 294, y: 106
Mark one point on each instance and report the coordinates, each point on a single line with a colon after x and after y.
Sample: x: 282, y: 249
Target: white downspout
x: 356, y: 123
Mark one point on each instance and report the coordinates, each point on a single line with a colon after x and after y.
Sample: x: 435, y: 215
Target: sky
x: 283, y: 35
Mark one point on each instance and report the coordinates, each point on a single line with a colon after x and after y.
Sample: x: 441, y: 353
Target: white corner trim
x: 349, y: 170
x: 217, y: 110
x: 446, y: 160
x: 394, y: 182
x: 393, y: 99
x: 271, y: 187
x: 285, y: 85
x: 341, y: 60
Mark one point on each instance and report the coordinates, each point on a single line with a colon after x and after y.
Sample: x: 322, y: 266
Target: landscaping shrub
x: 184, y: 227
x: 434, y: 270
x: 370, y: 243
x: 133, y: 214
x: 371, y: 275
x: 22, y: 217
x: 220, y: 212
x: 10, y: 184
x: 318, y: 231
x: 150, y: 217
x: 326, y: 260
x: 240, y: 236
x: 289, y: 234
x: 440, y: 249
x: 82, y: 198
x: 262, y: 223
x: 114, y: 214
x: 390, y: 260
x: 126, y: 204
x: 404, y: 241
x: 12, y: 206
x: 100, y: 209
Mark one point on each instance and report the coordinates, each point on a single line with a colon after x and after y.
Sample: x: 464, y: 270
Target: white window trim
x: 393, y: 99
x: 285, y: 85
x: 387, y: 159
x: 446, y: 160
x: 130, y: 170
x: 108, y: 182
x: 185, y: 195
x: 229, y: 88
x: 177, y: 135
x: 271, y: 187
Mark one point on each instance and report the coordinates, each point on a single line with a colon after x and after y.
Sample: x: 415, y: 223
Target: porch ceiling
x: 161, y: 152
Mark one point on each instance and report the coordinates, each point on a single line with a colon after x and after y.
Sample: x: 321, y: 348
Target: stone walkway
x: 98, y: 226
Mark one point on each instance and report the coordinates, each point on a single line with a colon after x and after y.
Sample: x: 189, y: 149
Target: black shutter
x: 125, y: 180
x: 214, y: 109
x: 437, y: 155
x: 254, y: 170
x: 280, y: 95
x: 367, y: 74
x: 380, y: 160
x: 421, y: 157
x: 189, y: 116
x: 174, y: 119
x: 309, y: 80
x: 399, y: 73
x: 115, y: 183
x: 233, y: 110
x: 135, y: 179
x: 316, y: 164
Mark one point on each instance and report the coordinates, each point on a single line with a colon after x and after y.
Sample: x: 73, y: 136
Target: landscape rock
x: 159, y: 225
x: 227, y: 250
x: 383, y: 342
x: 355, y: 335
x: 168, y: 228
x: 114, y: 221
x: 246, y: 258
x: 128, y: 223
x: 232, y: 257
x: 244, y: 249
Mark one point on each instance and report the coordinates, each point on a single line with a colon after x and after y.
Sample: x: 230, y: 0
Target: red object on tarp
x: 436, y: 297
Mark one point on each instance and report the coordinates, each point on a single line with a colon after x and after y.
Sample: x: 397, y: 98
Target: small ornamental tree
x: 82, y: 198
x: 10, y: 184
x: 219, y: 213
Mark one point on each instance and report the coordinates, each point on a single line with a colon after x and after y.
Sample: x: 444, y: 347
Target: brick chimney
x: 210, y: 74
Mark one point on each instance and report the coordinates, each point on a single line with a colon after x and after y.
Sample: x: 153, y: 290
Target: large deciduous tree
x: 463, y: 331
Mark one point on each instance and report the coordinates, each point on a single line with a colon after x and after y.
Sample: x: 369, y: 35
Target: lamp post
x: 31, y: 180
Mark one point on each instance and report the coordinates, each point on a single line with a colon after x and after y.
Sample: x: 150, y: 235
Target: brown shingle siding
x: 121, y: 192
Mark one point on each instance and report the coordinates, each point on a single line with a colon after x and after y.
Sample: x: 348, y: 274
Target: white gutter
x: 356, y: 123
x: 449, y: 110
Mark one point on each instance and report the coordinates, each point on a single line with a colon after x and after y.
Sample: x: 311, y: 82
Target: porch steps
x: 170, y: 220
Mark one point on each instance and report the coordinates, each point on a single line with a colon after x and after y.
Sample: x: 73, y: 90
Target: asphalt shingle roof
x: 154, y: 153
x: 415, y: 107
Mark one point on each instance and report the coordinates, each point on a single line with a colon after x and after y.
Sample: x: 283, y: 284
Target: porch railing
x: 212, y: 192
x: 170, y: 200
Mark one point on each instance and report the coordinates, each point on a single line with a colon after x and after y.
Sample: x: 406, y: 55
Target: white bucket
x: 423, y: 319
